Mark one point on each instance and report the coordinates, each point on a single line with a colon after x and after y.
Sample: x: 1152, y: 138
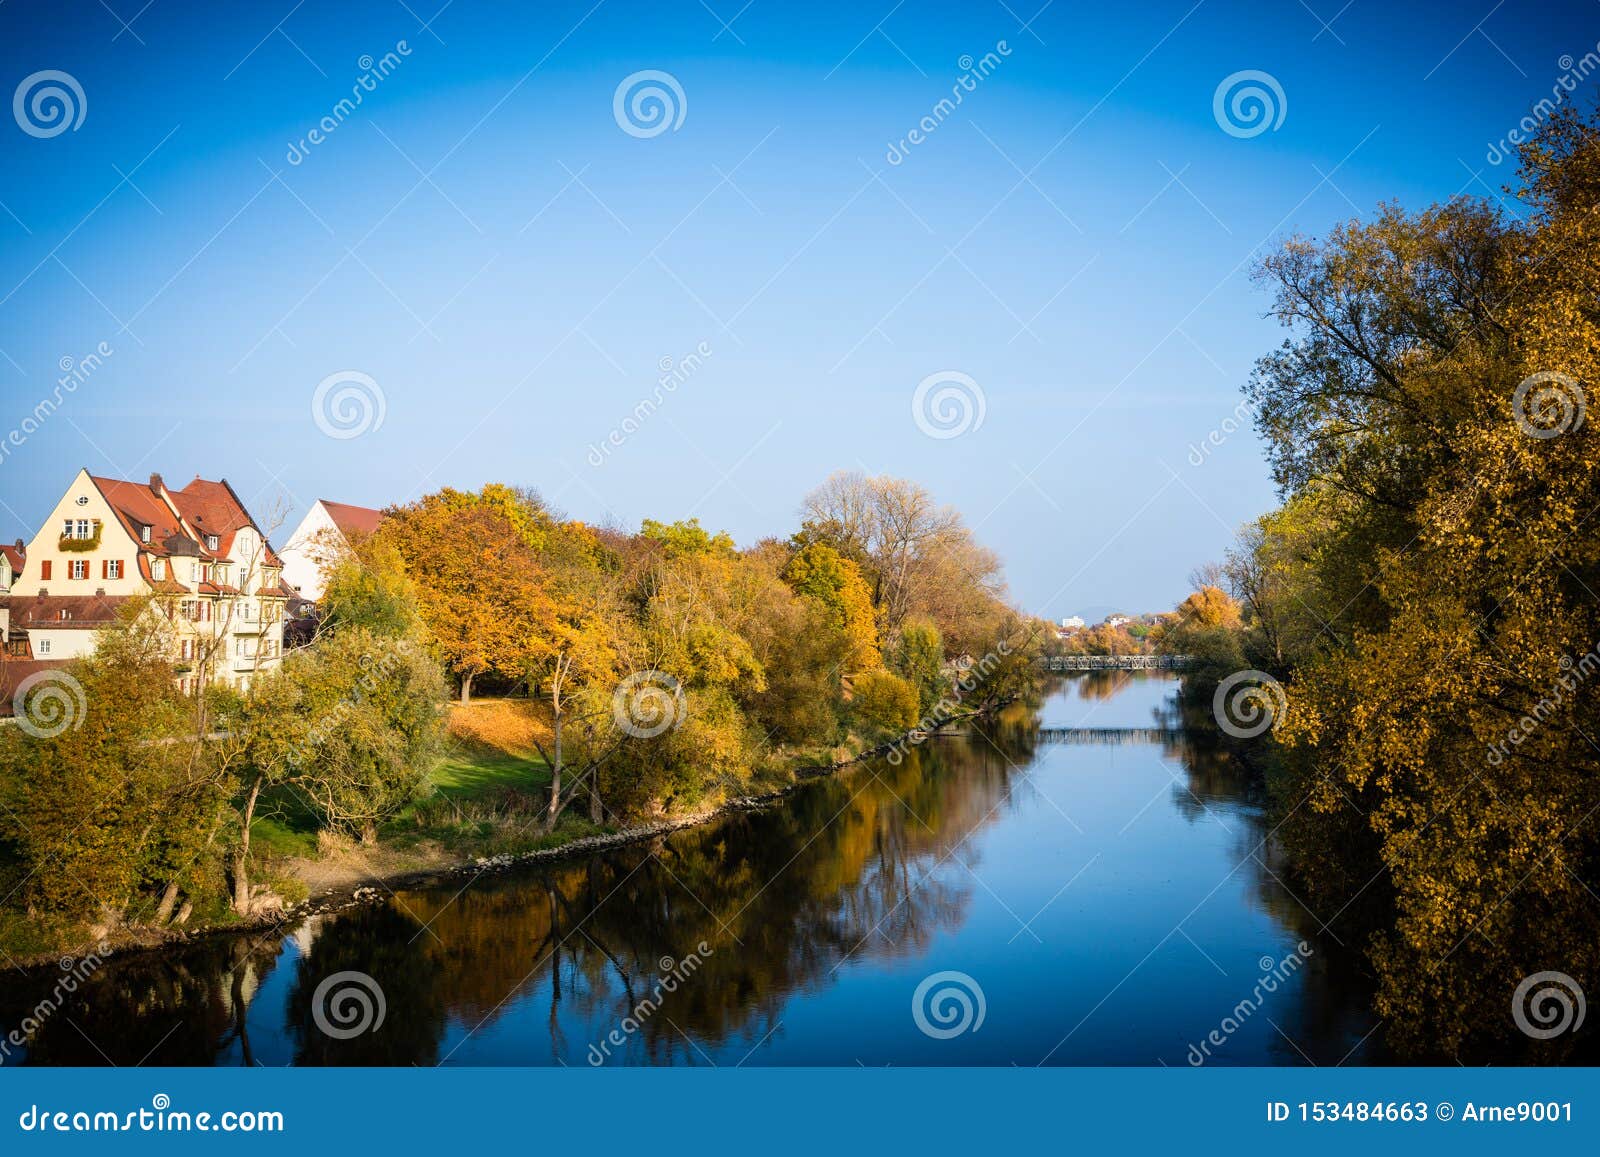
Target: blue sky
x: 509, y: 267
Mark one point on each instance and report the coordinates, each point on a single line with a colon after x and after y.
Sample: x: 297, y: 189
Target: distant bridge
x: 1110, y: 736
x: 1116, y: 662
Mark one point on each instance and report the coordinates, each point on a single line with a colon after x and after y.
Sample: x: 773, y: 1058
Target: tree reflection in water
x: 861, y: 871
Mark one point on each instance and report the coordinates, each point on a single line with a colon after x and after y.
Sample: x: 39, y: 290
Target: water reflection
x: 1043, y: 862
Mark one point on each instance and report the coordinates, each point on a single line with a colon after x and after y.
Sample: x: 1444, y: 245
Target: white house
x: 328, y: 531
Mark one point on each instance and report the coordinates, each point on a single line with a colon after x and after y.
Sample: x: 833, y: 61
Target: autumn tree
x: 834, y: 583
x: 1426, y: 421
x: 481, y: 593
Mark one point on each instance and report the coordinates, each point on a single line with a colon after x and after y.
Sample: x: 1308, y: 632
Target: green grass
x: 476, y: 774
x: 286, y: 827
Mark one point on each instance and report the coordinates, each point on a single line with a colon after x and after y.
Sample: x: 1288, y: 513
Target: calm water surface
x: 1096, y: 871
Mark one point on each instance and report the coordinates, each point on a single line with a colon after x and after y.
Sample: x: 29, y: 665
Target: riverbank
x: 354, y: 877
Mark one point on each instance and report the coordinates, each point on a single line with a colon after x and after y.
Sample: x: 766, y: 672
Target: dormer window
x: 144, y: 534
x: 211, y: 542
x: 158, y: 567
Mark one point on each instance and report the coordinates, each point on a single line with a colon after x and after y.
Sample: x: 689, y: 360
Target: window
x: 112, y: 569
x: 186, y: 649
x: 44, y: 646
x: 63, y: 614
x: 158, y: 569
x: 211, y: 542
x: 82, y: 529
x: 78, y: 568
x: 144, y: 534
x: 248, y: 611
x: 189, y: 609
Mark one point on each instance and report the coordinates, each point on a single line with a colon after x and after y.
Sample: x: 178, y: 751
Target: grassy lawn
x: 474, y: 774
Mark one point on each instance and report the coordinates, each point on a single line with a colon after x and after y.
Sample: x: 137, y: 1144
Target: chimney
x: 156, y: 484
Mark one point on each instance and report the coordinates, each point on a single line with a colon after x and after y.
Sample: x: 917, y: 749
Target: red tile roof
x: 84, y: 612
x: 137, y: 505
x: 353, y: 520
x: 14, y: 671
x: 212, y: 508
x: 16, y: 554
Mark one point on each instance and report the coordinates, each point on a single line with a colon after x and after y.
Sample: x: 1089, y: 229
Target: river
x: 1084, y: 883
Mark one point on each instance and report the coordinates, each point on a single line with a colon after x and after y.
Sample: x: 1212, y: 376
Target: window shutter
x: 105, y: 569
x: 44, y: 569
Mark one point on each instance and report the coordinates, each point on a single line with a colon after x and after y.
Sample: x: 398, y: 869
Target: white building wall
x: 302, y: 569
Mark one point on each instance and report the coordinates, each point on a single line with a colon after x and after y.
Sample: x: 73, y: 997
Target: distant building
x: 1118, y: 620
x: 327, y: 532
x: 1073, y: 623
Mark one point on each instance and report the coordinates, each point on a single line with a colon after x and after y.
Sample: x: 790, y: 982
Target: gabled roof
x: 352, y: 520
x: 16, y: 555
x: 138, y: 505
x: 213, y: 508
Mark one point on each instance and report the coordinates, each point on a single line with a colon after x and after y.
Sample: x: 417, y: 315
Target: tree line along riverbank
x: 655, y: 677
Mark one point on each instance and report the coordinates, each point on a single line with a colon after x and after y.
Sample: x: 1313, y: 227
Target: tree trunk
x: 466, y: 687
x: 555, y: 771
x: 241, y: 855
x: 369, y: 833
x: 596, y: 812
x: 169, y: 901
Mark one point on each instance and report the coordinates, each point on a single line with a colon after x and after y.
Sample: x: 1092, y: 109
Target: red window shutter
x: 44, y: 570
x: 105, y: 569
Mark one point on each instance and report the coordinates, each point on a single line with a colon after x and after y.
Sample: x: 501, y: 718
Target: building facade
x: 195, y: 554
x: 326, y: 533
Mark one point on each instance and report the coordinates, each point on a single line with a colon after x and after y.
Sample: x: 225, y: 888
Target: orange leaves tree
x: 482, y: 592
